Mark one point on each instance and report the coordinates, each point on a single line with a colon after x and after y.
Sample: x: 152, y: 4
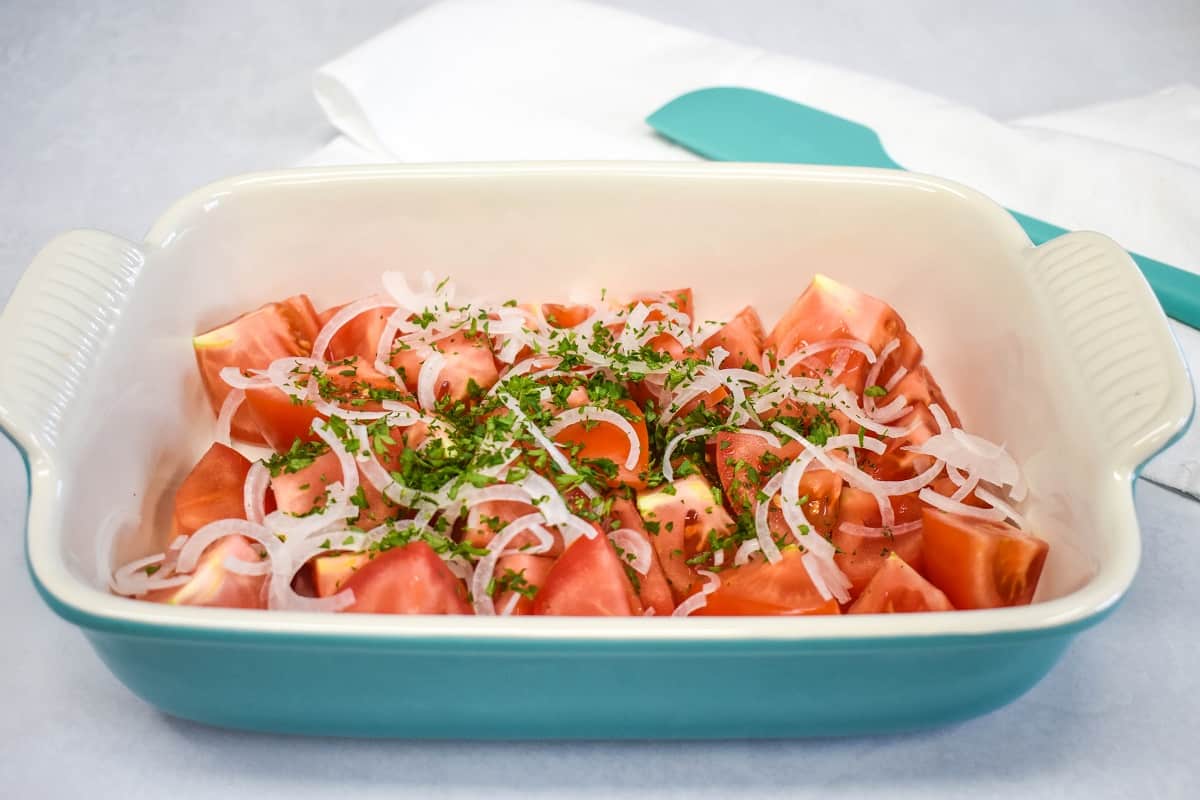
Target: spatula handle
x: 1177, y: 290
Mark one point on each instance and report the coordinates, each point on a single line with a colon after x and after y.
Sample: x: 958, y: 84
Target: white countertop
x: 112, y: 109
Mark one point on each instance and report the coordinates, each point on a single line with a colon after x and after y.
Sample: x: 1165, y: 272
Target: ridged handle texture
x: 1114, y: 331
x: 56, y: 323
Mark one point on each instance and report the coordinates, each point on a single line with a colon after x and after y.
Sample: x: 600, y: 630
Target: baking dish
x: 1059, y: 350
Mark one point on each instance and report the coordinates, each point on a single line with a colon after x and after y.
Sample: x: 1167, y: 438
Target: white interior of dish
x: 947, y: 259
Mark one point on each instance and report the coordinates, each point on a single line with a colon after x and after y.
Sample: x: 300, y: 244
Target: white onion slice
x: 1008, y: 511
x: 344, y: 315
x: 700, y: 599
x: 943, y: 503
x: 545, y: 443
x: 814, y: 348
x: 897, y: 376
x: 254, y: 492
x: 234, y: 377
x: 573, y: 416
x: 349, y: 482
x: 765, y: 542
x: 747, y: 549
x: 859, y: 479
x: 885, y: 532
x: 873, y: 375
x: 427, y: 380
x: 233, y: 401
x: 247, y: 568
x: 634, y: 543
x: 486, y: 567
x: 668, y: 470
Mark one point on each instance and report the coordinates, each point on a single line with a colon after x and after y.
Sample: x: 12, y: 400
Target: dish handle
x: 1120, y: 347
x: 58, y: 320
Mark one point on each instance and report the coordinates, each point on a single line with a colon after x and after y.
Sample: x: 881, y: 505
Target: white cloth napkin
x: 474, y: 80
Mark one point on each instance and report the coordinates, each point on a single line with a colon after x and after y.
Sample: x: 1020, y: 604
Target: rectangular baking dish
x: 1061, y: 351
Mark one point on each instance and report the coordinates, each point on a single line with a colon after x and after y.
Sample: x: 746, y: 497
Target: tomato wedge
x: 565, y: 316
x: 469, y: 359
x: 407, y: 580
x: 253, y: 341
x: 358, y: 338
x: 830, y: 310
x: 981, y: 564
x: 521, y: 576
x: 861, y: 555
x: 897, y: 588
x: 918, y: 386
x: 742, y: 338
x: 489, y: 518
x: 680, y: 519
x: 653, y: 589
x: 212, y: 490
x: 760, y: 588
x: 215, y: 586
x: 603, y: 440
x: 587, y: 581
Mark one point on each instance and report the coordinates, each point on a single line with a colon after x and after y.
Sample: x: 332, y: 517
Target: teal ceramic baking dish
x: 1059, y: 350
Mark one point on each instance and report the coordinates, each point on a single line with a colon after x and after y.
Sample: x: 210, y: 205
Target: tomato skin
x: 468, y: 358
x: 535, y: 570
x: 741, y: 337
x: 587, y: 580
x: 479, y: 533
x: 212, y: 490
x: 407, y: 580
x: 897, y: 588
x: 360, y: 336
x: 279, y: 420
x: 731, y: 449
x: 981, y: 564
x: 918, y: 386
x: 679, y: 525
x: 759, y: 588
x: 653, y: 589
x: 213, y: 585
x: 565, y: 315
x: 253, y: 341
x: 607, y: 441
x: 830, y: 310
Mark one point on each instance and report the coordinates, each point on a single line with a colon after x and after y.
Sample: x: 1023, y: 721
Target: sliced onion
x: 344, y: 315
x: 234, y: 377
x: 841, y: 357
x: 254, y: 492
x: 855, y: 529
x: 668, y: 470
x: 813, y: 348
x: 897, y: 376
x: 943, y: 503
x: 248, y: 568
x: 545, y: 443
x: 233, y: 401
x: 893, y: 410
x: 486, y: 566
x: 349, y: 482
x: 700, y: 599
x: 131, y: 579
x: 573, y: 416
x: 973, y: 454
x: 765, y: 542
x: 965, y: 488
x: 859, y: 479
x: 873, y: 375
x: 633, y: 542
x: 747, y: 549
x: 1008, y: 511
x: 574, y: 527
x: 284, y: 373
x: 427, y: 380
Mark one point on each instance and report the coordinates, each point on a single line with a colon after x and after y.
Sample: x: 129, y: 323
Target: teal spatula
x: 734, y: 124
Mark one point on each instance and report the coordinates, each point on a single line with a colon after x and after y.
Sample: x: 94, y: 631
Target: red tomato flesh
x: 981, y: 564
x: 587, y: 580
x: 897, y: 588
x: 407, y: 580
x: 759, y: 588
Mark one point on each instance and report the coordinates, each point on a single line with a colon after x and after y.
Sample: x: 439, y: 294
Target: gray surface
x: 114, y: 109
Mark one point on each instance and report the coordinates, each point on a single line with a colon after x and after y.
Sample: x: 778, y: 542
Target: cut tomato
x: 212, y: 490
x: 524, y: 573
x: 587, y: 581
x: 981, y: 564
x: 861, y: 555
x: 830, y: 310
x: 679, y: 299
x: 253, y: 341
x: 565, y: 316
x: 742, y: 338
x: 918, y: 386
x: 469, y: 360
x: 358, y: 338
x: 681, y: 518
x: 653, y: 590
x: 897, y: 588
x: 603, y: 440
x: 300, y: 491
x: 407, y: 580
x: 760, y: 588
x: 487, y: 519
x: 212, y: 584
